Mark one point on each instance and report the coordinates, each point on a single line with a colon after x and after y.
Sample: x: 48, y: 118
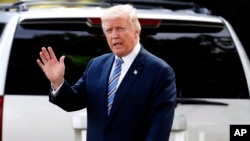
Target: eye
x: 108, y: 31
x: 121, y: 29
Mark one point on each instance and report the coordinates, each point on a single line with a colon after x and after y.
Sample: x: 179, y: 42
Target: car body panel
x: 153, y: 14
x: 11, y: 21
x: 212, y: 122
x: 33, y: 118
x: 243, y: 55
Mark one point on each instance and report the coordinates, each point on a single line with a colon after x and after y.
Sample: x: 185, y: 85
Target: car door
x: 212, y: 73
x: 26, y: 114
x: 8, y: 22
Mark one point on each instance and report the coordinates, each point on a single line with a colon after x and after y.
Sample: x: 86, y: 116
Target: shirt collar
x: 128, y: 59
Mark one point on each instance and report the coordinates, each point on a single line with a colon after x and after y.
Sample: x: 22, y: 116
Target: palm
x: 53, y: 69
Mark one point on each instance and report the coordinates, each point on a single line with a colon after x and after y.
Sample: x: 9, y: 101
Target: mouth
x: 117, y: 45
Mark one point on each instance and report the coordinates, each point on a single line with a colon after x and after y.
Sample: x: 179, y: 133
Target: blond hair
x: 122, y: 10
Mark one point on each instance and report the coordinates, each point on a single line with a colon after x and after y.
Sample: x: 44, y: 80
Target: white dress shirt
x: 127, y: 61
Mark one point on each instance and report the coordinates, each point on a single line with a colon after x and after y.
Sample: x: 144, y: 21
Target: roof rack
x: 17, y: 7
x: 164, y: 4
x: 23, y: 5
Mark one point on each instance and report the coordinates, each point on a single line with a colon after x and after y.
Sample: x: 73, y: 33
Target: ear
x: 137, y: 33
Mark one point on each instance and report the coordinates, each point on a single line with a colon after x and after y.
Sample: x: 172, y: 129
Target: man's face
x: 121, y: 36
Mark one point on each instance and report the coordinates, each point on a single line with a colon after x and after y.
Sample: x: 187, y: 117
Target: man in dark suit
x: 137, y: 104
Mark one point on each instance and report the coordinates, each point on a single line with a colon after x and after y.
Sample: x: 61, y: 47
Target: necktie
x: 113, y: 81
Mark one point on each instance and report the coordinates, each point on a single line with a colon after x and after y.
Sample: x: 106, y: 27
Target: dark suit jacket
x: 144, y: 104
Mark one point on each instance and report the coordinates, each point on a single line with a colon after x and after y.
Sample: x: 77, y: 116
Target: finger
x: 40, y: 64
x: 42, y: 56
x: 52, y: 54
x: 62, y: 59
x: 46, y: 54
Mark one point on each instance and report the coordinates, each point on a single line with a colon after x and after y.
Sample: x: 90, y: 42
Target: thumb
x: 62, y: 58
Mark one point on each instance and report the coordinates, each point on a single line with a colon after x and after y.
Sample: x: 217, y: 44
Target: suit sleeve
x: 163, y: 106
x: 72, y: 98
x: 68, y: 98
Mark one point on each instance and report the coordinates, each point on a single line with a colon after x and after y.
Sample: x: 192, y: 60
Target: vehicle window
x: 206, y: 63
x: 1, y: 29
x: 24, y: 75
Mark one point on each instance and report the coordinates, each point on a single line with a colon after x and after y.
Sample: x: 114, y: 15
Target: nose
x: 114, y: 34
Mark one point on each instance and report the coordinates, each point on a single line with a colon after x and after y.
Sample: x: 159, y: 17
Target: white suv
x: 211, y: 66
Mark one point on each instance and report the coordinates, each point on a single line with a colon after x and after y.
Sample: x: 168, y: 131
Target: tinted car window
x: 1, y: 28
x: 204, y: 59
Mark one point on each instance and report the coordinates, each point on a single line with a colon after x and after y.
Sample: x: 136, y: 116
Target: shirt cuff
x: 55, y: 91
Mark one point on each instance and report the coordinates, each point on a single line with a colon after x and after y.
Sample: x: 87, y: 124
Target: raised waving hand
x: 54, y: 69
